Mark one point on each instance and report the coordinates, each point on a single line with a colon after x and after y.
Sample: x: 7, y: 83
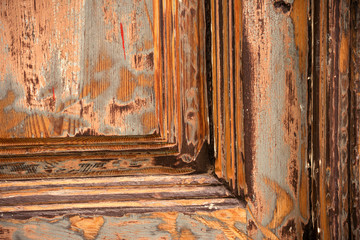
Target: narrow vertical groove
x: 310, y: 229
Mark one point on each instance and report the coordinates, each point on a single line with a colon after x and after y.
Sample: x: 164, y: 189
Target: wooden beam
x: 275, y: 84
x: 330, y: 127
x: 114, y: 196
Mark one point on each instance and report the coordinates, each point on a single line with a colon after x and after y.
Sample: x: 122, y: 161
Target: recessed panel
x: 102, y: 87
x: 76, y: 68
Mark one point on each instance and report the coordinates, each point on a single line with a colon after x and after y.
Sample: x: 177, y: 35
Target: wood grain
x: 102, y: 77
x: 260, y: 110
x: 285, y: 110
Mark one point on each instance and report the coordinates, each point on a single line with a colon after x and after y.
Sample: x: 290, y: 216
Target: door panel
x: 116, y: 85
x: 66, y: 73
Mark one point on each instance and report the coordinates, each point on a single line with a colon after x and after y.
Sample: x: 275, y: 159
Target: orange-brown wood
x: 64, y: 63
x: 150, y: 94
x: 113, y: 195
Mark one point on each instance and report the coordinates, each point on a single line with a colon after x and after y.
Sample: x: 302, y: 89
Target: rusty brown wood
x: 85, y: 79
x: 355, y: 120
x: 274, y: 76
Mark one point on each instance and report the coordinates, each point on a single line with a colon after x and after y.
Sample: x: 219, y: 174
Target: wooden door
x: 104, y: 109
x: 249, y: 110
x: 102, y: 88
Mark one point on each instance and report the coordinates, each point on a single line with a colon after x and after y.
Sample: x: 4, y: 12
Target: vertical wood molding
x: 260, y: 68
x: 355, y: 119
x: 275, y: 62
x: 330, y: 162
x: 227, y: 93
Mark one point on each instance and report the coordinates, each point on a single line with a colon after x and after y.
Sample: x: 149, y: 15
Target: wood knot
x: 285, y: 7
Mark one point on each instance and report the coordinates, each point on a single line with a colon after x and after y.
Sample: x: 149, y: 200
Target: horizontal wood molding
x: 114, y: 195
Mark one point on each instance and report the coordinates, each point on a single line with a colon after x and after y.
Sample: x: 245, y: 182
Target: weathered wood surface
x: 275, y: 83
x: 87, y: 81
x: 219, y: 224
x: 355, y: 121
x: 330, y: 128
x: 280, y: 111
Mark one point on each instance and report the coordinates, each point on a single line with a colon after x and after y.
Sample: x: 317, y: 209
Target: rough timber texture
x: 102, y: 87
x: 274, y: 75
x: 355, y: 120
x: 330, y: 130
x: 219, y: 224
